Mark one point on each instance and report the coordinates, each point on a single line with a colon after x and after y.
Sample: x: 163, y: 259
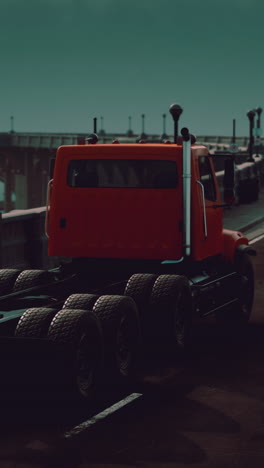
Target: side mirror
x: 229, y: 181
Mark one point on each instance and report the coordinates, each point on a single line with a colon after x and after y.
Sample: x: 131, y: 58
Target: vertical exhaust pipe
x: 186, y: 175
x: 251, y: 116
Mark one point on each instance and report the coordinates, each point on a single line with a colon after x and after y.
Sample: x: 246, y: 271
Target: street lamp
x: 164, y: 134
x: 258, y: 133
x: 143, y: 134
x: 176, y: 111
x: 102, y: 132
x: 12, y: 124
x: 130, y: 132
x: 251, y: 115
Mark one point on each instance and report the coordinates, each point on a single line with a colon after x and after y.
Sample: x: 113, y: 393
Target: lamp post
x: 164, y: 134
x: 102, y: 132
x: 251, y: 115
x: 12, y: 124
x: 95, y: 125
x: 258, y: 132
x: 129, y: 132
x: 143, y: 134
x: 234, y: 132
x: 176, y: 111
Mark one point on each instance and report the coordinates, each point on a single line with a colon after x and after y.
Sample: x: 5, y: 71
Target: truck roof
x: 133, y: 150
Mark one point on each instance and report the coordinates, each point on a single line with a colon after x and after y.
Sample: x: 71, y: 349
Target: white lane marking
x: 256, y: 239
x: 98, y: 417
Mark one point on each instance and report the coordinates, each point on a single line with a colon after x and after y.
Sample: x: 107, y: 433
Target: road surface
x: 207, y: 413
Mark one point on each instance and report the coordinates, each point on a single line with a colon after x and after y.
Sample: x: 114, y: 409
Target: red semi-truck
x: 139, y: 228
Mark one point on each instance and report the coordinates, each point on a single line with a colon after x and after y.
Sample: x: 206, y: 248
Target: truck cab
x: 125, y: 201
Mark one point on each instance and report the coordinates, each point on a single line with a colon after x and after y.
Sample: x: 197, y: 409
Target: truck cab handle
x: 204, y: 210
x: 49, y: 190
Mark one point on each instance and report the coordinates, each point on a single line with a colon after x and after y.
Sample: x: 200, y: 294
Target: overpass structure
x: 25, y: 157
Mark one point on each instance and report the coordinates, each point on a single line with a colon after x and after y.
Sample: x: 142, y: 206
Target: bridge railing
x: 23, y: 243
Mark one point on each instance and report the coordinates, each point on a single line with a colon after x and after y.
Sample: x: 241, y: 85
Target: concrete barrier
x: 23, y: 243
x: 249, y: 176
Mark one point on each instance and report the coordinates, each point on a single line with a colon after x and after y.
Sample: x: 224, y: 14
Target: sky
x: 64, y: 62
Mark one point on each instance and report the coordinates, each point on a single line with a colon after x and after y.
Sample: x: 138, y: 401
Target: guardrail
x: 23, y: 243
x: 244, y: 171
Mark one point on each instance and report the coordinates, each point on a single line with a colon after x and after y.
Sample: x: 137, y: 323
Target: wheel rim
x: 180, y: 320
x: 123, y: 345
x: 86, y: 366
x: 247, y: 294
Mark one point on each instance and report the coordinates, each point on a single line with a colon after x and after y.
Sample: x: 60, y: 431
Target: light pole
x: 164, y: 134
x: 143, y: 134
x: 176, y: 111
x: 12, y: 124
x: 102, y: 132
x: 258, y: 135
x: 129, y: 132
x: 251, y: 115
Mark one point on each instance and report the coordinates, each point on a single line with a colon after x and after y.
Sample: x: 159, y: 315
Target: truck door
x: 210, y: 216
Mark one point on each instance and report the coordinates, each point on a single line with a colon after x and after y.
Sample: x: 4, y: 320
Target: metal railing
x: 23, y: 243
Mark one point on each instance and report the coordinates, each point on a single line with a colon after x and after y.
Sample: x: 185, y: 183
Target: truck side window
x: 207, y: 179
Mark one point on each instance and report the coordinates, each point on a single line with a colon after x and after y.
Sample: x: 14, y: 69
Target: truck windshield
x: 122, y: 173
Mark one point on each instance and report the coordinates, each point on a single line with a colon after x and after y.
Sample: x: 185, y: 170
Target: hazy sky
x: 64, y: 62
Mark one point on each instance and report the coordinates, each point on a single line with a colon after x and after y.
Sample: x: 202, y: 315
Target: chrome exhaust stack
x: 186, y: 175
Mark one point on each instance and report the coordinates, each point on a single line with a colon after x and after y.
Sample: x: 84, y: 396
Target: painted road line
x: 104, y: 414
x: 256, y: 239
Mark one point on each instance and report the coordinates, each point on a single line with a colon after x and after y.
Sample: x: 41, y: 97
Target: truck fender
x: 234, y: 241
x: 243, y: 249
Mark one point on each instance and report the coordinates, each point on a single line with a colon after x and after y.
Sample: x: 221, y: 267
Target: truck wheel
x: 35, y: 322
x: 245, y: 271
x: 139, y: 287
x: 80, y: 301
x: 80, y: 331
x: 121, y: 331
x: 29, y: 278
x: 171, y: 300
x: 7, y: 280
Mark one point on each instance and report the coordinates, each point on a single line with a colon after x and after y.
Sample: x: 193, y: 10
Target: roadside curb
x: 252, y: 224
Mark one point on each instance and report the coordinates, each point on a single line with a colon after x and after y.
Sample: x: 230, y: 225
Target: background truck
x: 139, y: 229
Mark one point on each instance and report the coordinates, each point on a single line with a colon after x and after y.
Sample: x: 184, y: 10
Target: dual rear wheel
x: 101, y: 338
x: 165, y: 305
x: 104, y: 333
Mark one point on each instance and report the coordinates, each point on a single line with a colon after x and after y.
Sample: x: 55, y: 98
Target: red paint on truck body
x: 132, y: 223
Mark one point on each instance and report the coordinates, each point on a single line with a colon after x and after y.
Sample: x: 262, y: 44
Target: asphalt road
x: 208, y: 412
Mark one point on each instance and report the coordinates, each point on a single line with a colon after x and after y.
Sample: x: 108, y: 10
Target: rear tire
x: 118, y: 316
x: 80, y: 301
x: 7, y: 280
x: 245, y: 271
x: 30, y: 278
x: 35, y: 322
x: 171, y: 300
x: 139, y: 287
x: 80, y: 331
